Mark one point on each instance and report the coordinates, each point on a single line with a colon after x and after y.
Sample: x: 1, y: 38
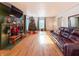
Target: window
x: 41, y: 23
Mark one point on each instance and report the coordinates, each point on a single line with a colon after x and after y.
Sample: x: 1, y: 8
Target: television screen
x: 4, y: 10
x: 15, y: 11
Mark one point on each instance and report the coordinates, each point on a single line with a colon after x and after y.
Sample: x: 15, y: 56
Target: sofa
x: 67, y: 40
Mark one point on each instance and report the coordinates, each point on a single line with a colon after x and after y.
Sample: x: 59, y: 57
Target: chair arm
x: 69, y: 48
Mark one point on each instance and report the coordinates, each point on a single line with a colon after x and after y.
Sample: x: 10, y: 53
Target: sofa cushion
x: 65, y: 35
x: 75, y: 32
x: 74, y: 38
x: 67, y: 30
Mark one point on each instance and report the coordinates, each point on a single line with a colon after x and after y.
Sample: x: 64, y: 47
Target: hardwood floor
x: 38, y: 44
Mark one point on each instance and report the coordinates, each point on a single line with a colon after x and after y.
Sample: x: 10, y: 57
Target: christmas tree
x: 32, y: 25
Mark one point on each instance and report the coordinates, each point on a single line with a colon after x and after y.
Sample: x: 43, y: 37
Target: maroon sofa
x: 68, y: 41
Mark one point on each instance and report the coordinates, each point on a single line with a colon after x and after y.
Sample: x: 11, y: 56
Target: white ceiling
x: 47, y: 9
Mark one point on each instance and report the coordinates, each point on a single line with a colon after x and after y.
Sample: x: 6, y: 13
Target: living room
x: 39, y: 29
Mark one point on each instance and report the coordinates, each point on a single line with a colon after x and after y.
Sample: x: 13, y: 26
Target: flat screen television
x: 8, y: 9
x: 4, y: 10
x: 15, y: 11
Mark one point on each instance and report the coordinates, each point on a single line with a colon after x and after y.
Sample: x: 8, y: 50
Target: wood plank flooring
x: 38, y: 44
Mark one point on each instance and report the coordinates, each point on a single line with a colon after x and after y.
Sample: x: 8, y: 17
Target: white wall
x: 50, y: 21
